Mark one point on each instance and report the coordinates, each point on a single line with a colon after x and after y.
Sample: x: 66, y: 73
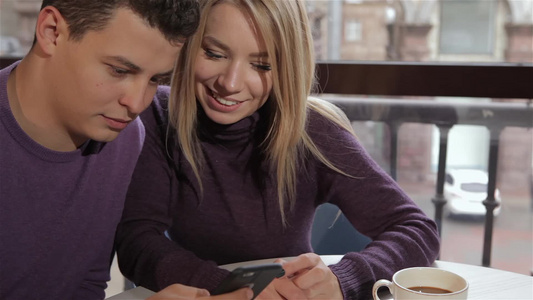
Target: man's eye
x: 118, y: 71
x: 160, y: 80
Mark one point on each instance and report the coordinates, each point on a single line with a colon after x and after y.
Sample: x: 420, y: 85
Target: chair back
x: 332, y: 233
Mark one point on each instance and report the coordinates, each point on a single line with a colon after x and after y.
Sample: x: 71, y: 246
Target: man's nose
x: 136, y: 98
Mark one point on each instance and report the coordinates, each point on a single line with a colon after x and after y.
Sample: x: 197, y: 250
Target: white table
x: 485, y: 283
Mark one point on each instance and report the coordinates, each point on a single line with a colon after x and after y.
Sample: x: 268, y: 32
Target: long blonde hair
x: 285, y: 29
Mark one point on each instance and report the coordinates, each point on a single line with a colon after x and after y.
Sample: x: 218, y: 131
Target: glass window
x: 467, y: 27
x: 17, y: 26
x: 353, y: 31
x: 429, y: 30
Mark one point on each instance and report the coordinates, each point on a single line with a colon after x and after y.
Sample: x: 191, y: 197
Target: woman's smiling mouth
x: 224, y: 101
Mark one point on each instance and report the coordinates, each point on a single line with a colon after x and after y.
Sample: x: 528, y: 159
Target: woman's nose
x: 232, y: 78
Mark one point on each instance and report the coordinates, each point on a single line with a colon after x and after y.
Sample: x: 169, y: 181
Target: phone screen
x: 255, y: 277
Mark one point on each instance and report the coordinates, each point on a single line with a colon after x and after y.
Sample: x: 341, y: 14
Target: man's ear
x: 51, y: 29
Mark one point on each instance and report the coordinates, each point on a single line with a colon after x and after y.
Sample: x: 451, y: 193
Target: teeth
x: 224, y: 101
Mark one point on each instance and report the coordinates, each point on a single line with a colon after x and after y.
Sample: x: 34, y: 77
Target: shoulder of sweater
x: 157, y: 111
x: 139, y: 129
x: 318, y: 124
x: 161, y: 97
x: 330, y: 137
x: 163, y: 92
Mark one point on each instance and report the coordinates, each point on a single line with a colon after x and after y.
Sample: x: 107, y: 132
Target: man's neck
x: 27, y: 92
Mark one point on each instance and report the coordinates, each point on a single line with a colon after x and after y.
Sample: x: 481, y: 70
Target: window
x: 467, y: 26
x: 353, y: 31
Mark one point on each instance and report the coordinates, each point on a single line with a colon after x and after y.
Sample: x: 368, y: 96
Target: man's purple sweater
x: 59, y: 210
x: 238, y: 218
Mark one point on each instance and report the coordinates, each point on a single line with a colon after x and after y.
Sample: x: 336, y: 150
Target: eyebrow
x: 224, y: 47
x: 126, y: 63
x: 135, y: 67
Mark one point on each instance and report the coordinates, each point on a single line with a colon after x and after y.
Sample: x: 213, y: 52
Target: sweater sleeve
x: 145, y: 255
x: 402, y: 235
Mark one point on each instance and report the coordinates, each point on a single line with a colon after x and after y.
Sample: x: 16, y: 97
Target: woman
x: 236, y: 162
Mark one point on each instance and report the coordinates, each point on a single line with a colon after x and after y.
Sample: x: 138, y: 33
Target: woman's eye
x: 262, y: 67
x: 209, y: 53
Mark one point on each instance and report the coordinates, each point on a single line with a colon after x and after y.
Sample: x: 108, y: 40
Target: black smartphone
x: 256, y: 277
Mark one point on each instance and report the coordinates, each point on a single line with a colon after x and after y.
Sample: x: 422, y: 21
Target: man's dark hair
x: 175, y: 19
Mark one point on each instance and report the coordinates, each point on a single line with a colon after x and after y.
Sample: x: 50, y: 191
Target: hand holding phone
x: 255, y: 277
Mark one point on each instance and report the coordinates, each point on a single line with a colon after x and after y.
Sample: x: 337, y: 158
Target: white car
x: 465, y: 190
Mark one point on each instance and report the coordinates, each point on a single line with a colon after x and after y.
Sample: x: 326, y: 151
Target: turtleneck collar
x: 241, y: 132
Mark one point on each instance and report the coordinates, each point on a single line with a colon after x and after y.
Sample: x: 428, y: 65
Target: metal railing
x: 419, y: 79
x: 395, y: 112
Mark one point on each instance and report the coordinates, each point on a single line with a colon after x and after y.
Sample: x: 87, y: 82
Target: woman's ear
x: 51, y: 29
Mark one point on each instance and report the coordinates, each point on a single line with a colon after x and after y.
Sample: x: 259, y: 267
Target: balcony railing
x: 503, y: 81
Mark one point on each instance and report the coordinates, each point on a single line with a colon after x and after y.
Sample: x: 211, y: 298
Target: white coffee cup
x: 424, y: 283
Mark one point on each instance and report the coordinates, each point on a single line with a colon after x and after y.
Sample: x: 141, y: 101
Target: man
x: 70, y: 138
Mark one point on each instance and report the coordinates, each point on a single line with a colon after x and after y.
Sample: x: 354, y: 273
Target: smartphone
x: 256, y: 277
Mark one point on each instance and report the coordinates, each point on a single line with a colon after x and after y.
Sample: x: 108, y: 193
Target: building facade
x: 492, y: 31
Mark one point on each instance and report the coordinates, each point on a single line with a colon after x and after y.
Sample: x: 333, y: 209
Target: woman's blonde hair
x: 284, y: 26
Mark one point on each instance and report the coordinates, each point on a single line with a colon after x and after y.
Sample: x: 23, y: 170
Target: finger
x: 269, y: 293
x: 288, y: 290
x: 319, y: 289
x: 309, y: 278
x: 318, y: 283
x: 280, y: 261
x: 300, y: 263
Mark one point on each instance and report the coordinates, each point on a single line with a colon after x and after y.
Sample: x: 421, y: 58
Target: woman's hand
x: 307, y: 277
x: 281, y: 289
x: 179, y: 291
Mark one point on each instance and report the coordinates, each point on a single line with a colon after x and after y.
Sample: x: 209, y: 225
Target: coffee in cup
x: 424, y: 283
